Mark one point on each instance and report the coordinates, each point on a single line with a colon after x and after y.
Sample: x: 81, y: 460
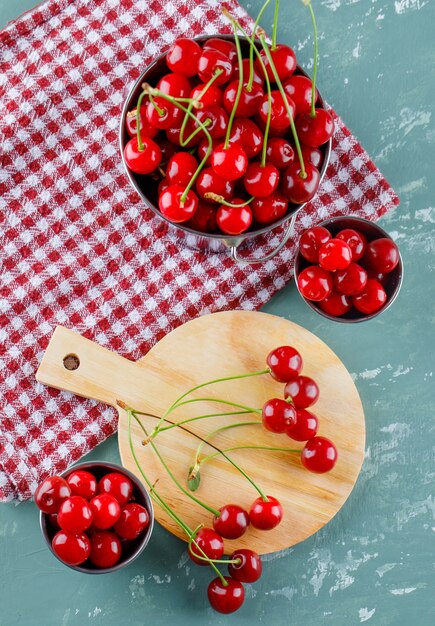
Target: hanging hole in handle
x: 71, y: 362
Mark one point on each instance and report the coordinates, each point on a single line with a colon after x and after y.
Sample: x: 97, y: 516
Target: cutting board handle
x: 76, y: 364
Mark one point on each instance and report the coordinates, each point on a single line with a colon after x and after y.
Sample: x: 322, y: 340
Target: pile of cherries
x: 234, y: 189
x: 290, y: 416
x: 347, y: 272
x: 94, y: 520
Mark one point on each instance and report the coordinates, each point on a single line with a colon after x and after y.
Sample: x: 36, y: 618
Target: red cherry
x: 279, y: 152
x: 212, y: 96
x: 269, y: 210
x: 305, y: 426
x: 311, y: 241
x: 105, y: 510
x: 133, y: 520
x: 203, y: 148
x: 142, y: 161
x: 355, y: 240
x: 350, y: 281
x: 284, y: 60
x: 314, y: 131
x: 225, y: 598
x: 285, y: 363
x: 261, y: 180
x: 50, y: 494
x: 174, y: 135
x: 278, y: 415
x: 212, y: 60
x: 319, y: 455
x: 299, y: 88
x: 217, y: 119
x: 312, y: 155
x: 204, y: 218
x: 246, y: 133
x: 175, y: 85
x: 180, y: 169
x: 71, y: 548
x: 183, y: 57
x: 82, y: 483
x: 381, y: 278
x: 315, y: 283
x: 105, y: 549
x: 265, y: 515
x: 258, y: 76
x: 303, y: 391
x: 117, y: 485
x: 229, y: 163
x: 249, y: 101
x: 234, y: 220
x: 210, y: 543
x: 249, y: 567
x: 146, y: 130
x: 371, y: 299
x: 166, y: 116
x: 279, y: 119
x: 209, y: 182
x: 172, y: 207
x: 336, y: 304
x: 381, y: 255
x: 232, y: 522
x: 297, y: 189
x: 335, y: 254
x: 223, y: 45
x: 75, y: 515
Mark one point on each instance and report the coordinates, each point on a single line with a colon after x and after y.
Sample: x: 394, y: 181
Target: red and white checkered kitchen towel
x: 78, y: 246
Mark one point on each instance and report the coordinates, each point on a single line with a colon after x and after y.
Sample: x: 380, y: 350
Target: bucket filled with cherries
x: 226, y: 137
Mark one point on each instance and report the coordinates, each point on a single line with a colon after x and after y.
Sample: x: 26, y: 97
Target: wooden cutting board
x: 209, y: 347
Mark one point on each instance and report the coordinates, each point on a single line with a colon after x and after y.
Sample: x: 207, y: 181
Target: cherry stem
x: 206, y: 123
x: 303, y: 173
x: 275, y: 24
x: 214, y: 454
x: 251, y: 51
x: 201, y: 417
x: 239, y: 406
x: 139, y: 138
x: 156, y: 106
x: 239, y: 87
x: 227, y: 561
x: 196, y: 100
x: 316, y: 54
x: 209, y: 195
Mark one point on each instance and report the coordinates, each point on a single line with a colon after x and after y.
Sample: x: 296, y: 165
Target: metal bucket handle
x: 267, y: 257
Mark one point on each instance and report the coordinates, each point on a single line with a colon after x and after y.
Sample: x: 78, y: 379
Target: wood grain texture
x: 215, y: 346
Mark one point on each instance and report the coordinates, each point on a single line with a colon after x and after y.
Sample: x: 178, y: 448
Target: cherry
x: 117, y: 485
x: 105, y: 549
x: 279, y: 119
x: 174, y: 135
x: 312, y: 155
x: 270, y: 209
x: 246, y: 133
x: 303, y: 391
x: 284, y: 60
x: 336, y: 304
x: 311, y: 241
x: 249, y: 568
x: 167, y: 147
x: 297, y: 189
x: 212, y: 96
x: 72, y: 549
x: 209, y: 182
x: 234, y: 220
x: 381, y: 278
x: 218, y: 118
x: 335, y: 254
x: 305, y: 426
x: 168, y: 115
x: 82, y: 483
x: 249, y: 101
x: 203, y: 147
x: 232, y: 522
x: 279, y: 152
x: 319, y: 455
x: 261, y: 180
x: 175, y: 85
x: 173, y: 207
x: 258, y: 75
x: 355, y: 240
x: 278, y: 415
x: 381, y: 255
x: 163, y: 184
x: 183, y: 57
x: 50, y: 494
x: 315, y: 283
x: 285, y: 363
x: 350, y: 281
x: 212, y: 60
x: 146, y: 130
x: 266, y: 514
x: 180, y: 169
x: 273, y: 132
x: 314, y: 131
x: 299, y: 88
x: 75, y: 515
x: 204, y: 218
x: 225, y: 598
x: 142, y: 161
x: 210, y: 543
x: 223, y: 45
x: 371, y: 299
x: 229, y: 163
x: 105, y: 510
x: 133, y: 520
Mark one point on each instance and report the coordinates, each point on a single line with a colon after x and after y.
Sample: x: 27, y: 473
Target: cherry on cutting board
x: 319, y: 455
x: 210, y: 543
x: 285, y: 363
x: 266, y: 514
x: 305, y: 426
x: 232, y: 522
x: 278, y: 415
x: 303, y: 391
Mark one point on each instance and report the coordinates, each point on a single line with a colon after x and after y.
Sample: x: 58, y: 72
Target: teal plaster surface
x: 374, y: 562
